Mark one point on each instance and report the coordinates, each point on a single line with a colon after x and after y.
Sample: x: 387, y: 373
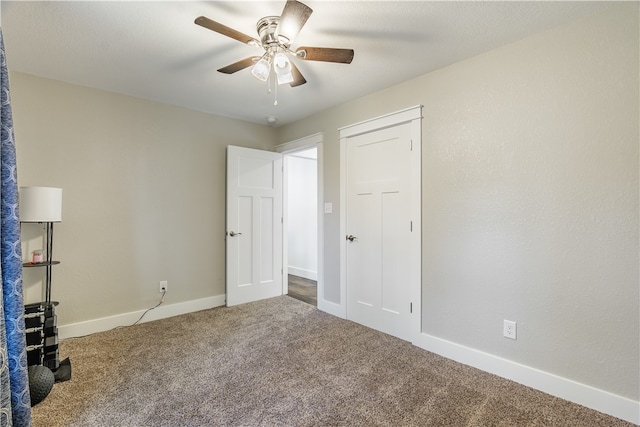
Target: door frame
x: 291, y: 147
x: 412, y: 115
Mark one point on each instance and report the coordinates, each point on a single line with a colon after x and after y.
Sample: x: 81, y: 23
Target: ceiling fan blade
x: 326, y: 54
x: 293, y: 18
x: 205, y: 22
x: 298, y: 78
x: 240, y: 65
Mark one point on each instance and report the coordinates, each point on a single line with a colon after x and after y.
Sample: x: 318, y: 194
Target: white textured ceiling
x: 153, y: 50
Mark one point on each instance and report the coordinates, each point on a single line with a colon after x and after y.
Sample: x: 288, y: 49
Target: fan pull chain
x: 275, y: 102
x: 275, y: 86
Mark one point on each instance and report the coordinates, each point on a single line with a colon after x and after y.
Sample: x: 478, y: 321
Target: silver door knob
x: 233, y: 233
x: 351, y: 237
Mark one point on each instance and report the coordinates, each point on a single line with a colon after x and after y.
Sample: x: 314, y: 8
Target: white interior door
x: 254, y: 225
x: 379, y: 229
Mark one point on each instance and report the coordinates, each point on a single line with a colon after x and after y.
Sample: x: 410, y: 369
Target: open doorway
x: 302, y: 224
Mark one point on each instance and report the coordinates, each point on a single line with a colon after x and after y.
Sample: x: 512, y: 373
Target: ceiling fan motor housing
x: 267, y: 28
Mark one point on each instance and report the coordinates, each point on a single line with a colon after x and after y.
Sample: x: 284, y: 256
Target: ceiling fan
x: 276, y: 34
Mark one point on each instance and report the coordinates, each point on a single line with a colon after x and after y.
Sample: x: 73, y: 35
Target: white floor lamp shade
x: 40, y: 204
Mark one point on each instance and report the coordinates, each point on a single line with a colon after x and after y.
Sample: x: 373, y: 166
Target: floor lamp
x: 44, y: 205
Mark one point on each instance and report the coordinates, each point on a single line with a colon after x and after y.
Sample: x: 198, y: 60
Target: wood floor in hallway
x: 303, y: 289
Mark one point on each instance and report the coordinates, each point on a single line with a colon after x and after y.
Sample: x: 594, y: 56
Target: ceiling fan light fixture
x: 285, y: 78
x: 282, y: 67
x: 262, y: 68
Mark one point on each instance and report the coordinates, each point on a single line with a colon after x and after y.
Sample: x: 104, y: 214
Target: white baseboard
x: 600, y: 400
x: 301, y: 272
x: 165, y: 310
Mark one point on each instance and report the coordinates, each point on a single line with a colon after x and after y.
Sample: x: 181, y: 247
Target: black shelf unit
x: 40, y: 264
x: 41, y: 330
x: 41, y: 325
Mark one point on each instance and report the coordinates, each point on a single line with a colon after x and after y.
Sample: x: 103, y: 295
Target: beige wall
x: 143, y: 195
x: 530, y: 198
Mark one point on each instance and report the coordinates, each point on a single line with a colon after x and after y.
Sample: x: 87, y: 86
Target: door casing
x: 315, y: 140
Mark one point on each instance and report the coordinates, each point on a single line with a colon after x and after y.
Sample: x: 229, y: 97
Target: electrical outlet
x: 510, y: 329
x: 163, y: 286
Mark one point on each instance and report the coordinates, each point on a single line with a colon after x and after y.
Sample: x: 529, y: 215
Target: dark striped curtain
x: 14, y: 379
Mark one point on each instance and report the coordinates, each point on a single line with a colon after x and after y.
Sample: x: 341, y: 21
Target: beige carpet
x: 281, y: 362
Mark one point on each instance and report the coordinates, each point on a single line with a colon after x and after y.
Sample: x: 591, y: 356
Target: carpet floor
x: 281, y: 362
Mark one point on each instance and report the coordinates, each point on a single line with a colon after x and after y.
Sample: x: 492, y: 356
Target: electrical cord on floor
x: 120, y: 327
x: 149, y: 309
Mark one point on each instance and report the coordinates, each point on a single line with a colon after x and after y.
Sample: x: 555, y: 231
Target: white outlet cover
x: 510, y: 329
x: 328, y: 208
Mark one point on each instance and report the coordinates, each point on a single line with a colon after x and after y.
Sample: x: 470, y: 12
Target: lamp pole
x: 49, y: 260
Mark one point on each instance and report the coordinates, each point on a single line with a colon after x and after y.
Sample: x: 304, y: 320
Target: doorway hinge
x: 281, y: 220
x: 410, y: 225
x: 410, y: 307
x: 411, y: 145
